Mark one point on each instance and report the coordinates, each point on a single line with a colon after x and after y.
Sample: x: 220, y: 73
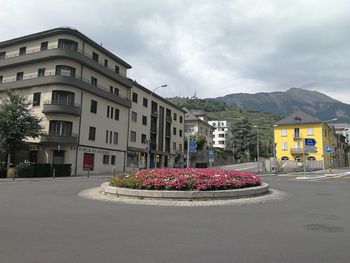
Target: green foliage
x: 3, y: 170
x: 206, y: 105
x: 127, y: 180
x: 62, y: 170
x: 17, y: 122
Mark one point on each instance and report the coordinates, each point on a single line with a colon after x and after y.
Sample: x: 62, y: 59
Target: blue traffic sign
x: 309, y: 142
x: 329, y: 149
x: 210, y: 154
x: 192, y: 146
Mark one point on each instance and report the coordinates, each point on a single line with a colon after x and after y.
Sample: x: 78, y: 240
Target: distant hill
x: 313, y: 103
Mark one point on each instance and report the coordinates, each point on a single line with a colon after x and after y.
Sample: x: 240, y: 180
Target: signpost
x: 211, y: 157
x: 309, y: 147
x: 191, y: 148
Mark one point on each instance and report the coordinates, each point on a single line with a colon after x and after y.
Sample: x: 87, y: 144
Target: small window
x: 95, y: 56
x: 113, y: 160
x: 105, y: 159
x: 2, y: 54
x: 116, y: 69
x: 106, y: 63
x: 41, y: 72
x: 111, y: 89
x: 180, y: 133
x: 132, y: 136
x: 110, y: 137
x: 93, y: 106
x: 174, y: 131
x: 92, y: 133
x: 36, y: 99
x: 180, y: 119
x: 22, y: 51
x: 143, y: 138
x: 108, y: 111
x: 116, y: 91
x: 174, y: 146
x: 175, y: 116
x: 1, y: 78
x: 310, y: 131
x: 311, y: 158
x: 44, y: 45
x: 144, y: 120
x: 284, y: 146
x: 180, y: 147
x: 116, y: 114
x: 107, y: 134
x: 145, y: 102
x: 112, y: 112
x: 134, y: 97
x: 284, y: 132
x: 19, y: 76
x: 133, y: 116
x: 94, y: 81
x: 115, y: 138
x: 284, y: 158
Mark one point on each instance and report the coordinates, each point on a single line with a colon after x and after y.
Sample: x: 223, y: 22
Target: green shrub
x: 62, y: 170
x: 42, y: 170
x: 3, y: 170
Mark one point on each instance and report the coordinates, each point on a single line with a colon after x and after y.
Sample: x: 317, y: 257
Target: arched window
x: 298, y: 159
x: 311, y: 158
x: 284, y: 158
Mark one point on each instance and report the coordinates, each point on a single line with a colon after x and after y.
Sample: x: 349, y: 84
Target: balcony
x: 50, y: 138
x: 59, y: 107
x: 296, y: 150
x: 297, y: 136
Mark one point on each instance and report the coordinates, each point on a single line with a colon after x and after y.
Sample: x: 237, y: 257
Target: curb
x: 185, y: 195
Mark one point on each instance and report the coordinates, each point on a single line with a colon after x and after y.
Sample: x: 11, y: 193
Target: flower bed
x: 187, y: 179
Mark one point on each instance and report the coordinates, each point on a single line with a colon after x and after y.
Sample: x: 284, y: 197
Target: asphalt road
x: 45, y: 221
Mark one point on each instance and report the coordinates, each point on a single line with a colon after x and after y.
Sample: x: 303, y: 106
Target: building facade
x: 290, y: 134
x: 84, y: 97
x: 220, y: 134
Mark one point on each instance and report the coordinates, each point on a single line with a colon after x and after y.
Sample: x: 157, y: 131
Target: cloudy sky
x: 212, y: 48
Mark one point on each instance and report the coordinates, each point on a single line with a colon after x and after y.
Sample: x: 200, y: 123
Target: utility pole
x: 188, y: 152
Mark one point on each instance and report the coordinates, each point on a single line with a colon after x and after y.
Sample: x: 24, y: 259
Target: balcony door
x: 61, y: 128
x: 62, y: 97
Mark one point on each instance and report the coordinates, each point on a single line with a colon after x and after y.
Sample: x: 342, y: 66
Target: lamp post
x: 257, y: 144
x: 150, y: 124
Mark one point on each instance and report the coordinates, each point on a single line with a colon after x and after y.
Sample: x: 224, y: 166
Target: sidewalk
x: 321, y: 174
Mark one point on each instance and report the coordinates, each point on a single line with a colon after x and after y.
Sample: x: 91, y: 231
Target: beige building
x: 220, y: 134
x: 81, y: 91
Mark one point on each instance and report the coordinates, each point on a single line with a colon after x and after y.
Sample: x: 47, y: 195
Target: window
x: 1, y: 78
x: 143, y: 138
x: 284, y: 158
x: 175, y: 116
x: 116, y: 114
x: 111, y: 89
x: 60, y: 128
x: 180, y: 147
x: 116, y: 91
x: 107, y: 111
x: 41, y: 72
x: 284, y: 132
x: 284, y: 146
x: 22, y: 50
x: 132, y: 136
x: 221, y: 142
x: 95, y: 56
x: 133, y: 116
x: 65, y: 71
x: 2, y: 54
x: 110, y: 137
x: 174, y: 131
x: 68, y: 44
x: 113, y: 160
x: 297, y: 145
x: 36, y: 99
x: 180, y: 133
x: 106, y: 63
x: 174, y: 145
x: 310, y: 131
x: 116, y: 69
x: 92, y: 133
x: 107, y: 133
x: 112, y: 112
x: 180, y: 119
x: 115, y: 138
x: 296, y: 133
x: 134, y: 97
x: 144, y: 120
x: 44, y: 45
x: 145, y: 102
x: 311, y: 158
x: 19, y: 76
x: 93, y: 106
x: 94, y: 81
x: 105, y: 159
x: 221, y: 135
x: 62, y: 97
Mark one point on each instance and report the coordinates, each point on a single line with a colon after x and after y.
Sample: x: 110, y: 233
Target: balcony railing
x: 296, y: 150
x: 51, y: 138
x: 52, y: 106
x: 297, y: 136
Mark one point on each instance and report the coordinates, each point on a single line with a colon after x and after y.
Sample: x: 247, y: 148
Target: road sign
x: 211, y: 154
x: 309, y: 142
x: 192, y: 146
x: 310, y: 149
x: 329, y: 149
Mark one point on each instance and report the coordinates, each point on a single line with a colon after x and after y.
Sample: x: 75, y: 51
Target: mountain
x: 311, y: 102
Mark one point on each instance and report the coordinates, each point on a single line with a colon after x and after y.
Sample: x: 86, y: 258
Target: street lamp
x: 148, y: 142
x: 257, y: 144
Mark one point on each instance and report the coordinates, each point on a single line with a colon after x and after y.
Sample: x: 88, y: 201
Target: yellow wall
x: 321, y: 133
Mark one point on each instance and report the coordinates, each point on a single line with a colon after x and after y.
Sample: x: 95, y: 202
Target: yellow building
x: 290, y: 134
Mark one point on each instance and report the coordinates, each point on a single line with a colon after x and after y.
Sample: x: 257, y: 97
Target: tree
x: 242, y: 140
x: 17, y: 122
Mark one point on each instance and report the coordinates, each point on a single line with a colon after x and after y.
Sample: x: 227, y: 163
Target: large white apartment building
x: 220, y: 134
x: 94, y: 117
